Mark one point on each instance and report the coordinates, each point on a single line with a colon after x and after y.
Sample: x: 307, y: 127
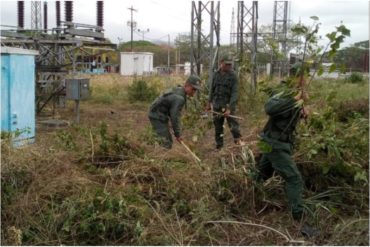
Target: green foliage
x: 139, y: 43
x: 264, y: 146
x: 311, y: 49
x: 66, y: 139
x: 5, y: 135
x: 98, y: 218
x: 113, y: 144
x: 148, y: 135
x: 355, y: 78
x: 14, y: 180
x: 141, y: 91
x: 106, y: 95
x: 339, y: 149
x: 194, y: 115
x: 183, y: 45
x: 352, y: 57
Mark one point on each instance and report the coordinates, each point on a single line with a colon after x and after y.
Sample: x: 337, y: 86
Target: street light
x: 143, y: 32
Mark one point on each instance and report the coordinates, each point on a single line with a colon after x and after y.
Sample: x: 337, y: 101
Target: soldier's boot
x: 306, y: 230
x: 309, y: 231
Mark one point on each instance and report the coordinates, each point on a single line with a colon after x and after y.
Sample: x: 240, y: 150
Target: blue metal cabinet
x: 18, y: 94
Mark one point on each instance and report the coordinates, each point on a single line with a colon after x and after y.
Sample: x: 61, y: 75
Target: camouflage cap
x: 226, y: 59
x: 194, y: 81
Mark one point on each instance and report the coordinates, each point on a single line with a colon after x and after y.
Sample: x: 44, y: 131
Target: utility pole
x: 132, y: 24
x: 168, y: 54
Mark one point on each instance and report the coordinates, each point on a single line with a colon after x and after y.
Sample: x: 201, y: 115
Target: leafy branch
x: 310, y: 36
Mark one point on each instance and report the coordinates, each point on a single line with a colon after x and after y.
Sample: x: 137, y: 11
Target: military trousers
x: 280, y: 160
x: 218, y: 121
x: 162, y: 131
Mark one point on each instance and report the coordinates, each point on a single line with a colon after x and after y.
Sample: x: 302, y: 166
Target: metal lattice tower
x: 232, y: 30
x: 247, y: 32
x: 203, y: 49
x: 36, y: 21
x: 279, y: 34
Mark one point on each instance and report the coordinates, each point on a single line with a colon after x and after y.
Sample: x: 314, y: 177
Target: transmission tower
x: 247, y: 32
x: 203, y: 50
x: 279, y: 35
x: 232, y: 30
x: 36, y: 21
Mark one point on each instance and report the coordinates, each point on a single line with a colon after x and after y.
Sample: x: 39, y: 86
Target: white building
x: 136, y: 63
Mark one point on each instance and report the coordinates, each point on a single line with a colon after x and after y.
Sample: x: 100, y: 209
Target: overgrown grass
x: 68, y: 190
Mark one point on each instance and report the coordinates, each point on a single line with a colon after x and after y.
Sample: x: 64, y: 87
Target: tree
x: 353, y: 57
x: 313, y: 54
x: 183, y: 47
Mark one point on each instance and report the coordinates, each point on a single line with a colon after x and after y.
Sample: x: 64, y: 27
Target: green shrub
x: 338, y: 151
x: 100, y: 218
x: 140, y: 91
x: 355, y: 77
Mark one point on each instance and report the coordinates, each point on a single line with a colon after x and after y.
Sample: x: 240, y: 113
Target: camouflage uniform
x: 224, y: 95
x: 167, y: 107
x: 279, y: 134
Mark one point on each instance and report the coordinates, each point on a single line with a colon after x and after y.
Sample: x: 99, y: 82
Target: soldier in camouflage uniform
x: 278, y: 134
x: 223, y: 97
x: 167, y: 107
x: 284, y: 111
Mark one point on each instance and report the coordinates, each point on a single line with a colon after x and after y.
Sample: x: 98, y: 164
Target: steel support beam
x: 247, y: 33
x: 279, y: 35
x: 204, y: 45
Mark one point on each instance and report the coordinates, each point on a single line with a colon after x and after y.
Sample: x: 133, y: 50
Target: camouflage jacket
x: 168, y: 106
x: 284, y: 114
x: 224, y: 91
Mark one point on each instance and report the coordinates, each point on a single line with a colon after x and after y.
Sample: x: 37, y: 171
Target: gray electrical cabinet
x: 77, y: 89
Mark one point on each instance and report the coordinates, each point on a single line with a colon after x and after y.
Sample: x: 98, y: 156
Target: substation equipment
x: 58, y: 48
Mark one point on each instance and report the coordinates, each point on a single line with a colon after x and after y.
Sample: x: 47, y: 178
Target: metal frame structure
x: 57, y: 49
x: 279, y: 35
x: 36, y: 22
x: 203, y: 50
x: 247, y: 33
x: 232, y: 30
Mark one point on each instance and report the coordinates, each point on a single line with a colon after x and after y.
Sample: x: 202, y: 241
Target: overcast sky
x: 163, y: 17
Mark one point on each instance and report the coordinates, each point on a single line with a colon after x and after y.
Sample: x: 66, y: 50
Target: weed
x: 141, y: 91
x: 355, y: 78
x: 66, y: 139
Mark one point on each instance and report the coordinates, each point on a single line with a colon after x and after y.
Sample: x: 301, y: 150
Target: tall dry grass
x: 54, y: 194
